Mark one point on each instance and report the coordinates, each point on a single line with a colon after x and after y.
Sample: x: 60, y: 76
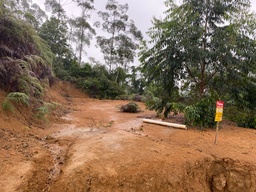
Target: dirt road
x: 95, y: 147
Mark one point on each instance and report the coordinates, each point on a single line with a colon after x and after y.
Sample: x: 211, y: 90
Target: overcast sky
x: 141, y: 11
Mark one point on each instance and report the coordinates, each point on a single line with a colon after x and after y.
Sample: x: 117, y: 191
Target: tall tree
x: 56, y: 8
x: 120, y: 47
x: 38, y: 16
x: 199, y: 42
x: 54, y: 32
x: 82, y: 32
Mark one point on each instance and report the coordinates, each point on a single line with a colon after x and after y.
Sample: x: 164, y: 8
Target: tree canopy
x: 119, y: 49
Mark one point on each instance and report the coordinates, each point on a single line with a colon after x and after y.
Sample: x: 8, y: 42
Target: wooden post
x: 217, y: 130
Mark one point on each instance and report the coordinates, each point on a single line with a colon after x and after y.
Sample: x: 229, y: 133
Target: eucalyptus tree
x: 55, y: 32
x: 56, y: 8
x: 200, y: 43
x: 119, y: 48
x: 38, y: 16
x: 82, y: 32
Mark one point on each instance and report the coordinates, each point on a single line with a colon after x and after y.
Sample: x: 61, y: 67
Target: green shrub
x: 122, y: 97
x: 242, y: 116
x: 100, y: 88
x: 155, y: 104
x: 140, y: 98
x: 201, y: 113
x: 130, y: 108
x: 174, y: 108
x: 248, y: 121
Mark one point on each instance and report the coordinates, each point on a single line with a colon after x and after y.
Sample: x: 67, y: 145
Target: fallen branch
x: 165, y: 123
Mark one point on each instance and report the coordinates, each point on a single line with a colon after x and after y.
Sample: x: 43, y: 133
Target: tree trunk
x: 203, y: 62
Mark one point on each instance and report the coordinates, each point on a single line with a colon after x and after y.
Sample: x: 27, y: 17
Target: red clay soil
x: 89, y: 145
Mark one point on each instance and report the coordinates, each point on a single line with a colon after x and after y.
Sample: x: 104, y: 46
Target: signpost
x: 218, y: 117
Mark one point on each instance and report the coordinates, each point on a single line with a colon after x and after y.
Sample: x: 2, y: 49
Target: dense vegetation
x: 25, y: 61
x: 202, y: 51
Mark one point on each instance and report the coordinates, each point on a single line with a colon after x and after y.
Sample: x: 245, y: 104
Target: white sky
x: 141, y: 11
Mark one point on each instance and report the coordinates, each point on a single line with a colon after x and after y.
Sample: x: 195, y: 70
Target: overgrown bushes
x: 100, y: 88
x: 241, y: 117
x: 201, y: 113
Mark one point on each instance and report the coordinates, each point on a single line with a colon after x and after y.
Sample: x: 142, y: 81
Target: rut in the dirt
x: 59, y: 148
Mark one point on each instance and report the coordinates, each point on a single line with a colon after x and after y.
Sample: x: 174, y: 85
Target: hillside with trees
x: 38, y: 47
x: 71, y: 122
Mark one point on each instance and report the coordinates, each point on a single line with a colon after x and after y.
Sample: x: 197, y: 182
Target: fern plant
x: 42, y: 112
x: 46, y: 109
x: 14, y: 100
x: 31, y: 86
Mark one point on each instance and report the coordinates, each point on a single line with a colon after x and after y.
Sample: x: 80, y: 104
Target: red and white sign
x: 219, y: 110
x: 219, y: 104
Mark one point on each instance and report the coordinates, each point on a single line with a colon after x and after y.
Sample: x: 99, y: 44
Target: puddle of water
x: 130, y: 124
x: 71, y: 130
x: 67, y: 117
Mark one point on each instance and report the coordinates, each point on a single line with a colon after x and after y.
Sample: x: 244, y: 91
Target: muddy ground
x: 91, y: 146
